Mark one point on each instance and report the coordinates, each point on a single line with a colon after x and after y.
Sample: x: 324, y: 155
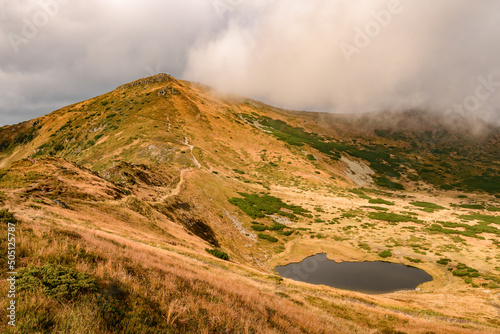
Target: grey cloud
x: 430, y: 55
x: 88, y: 48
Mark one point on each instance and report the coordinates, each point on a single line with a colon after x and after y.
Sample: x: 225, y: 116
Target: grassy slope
x: 169, y: 154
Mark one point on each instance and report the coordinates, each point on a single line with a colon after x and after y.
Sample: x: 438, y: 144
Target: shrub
x: 380, y: 201
x: 385, y: 254
x: 472, y: 206
x: 7, y: 217
x: 238, y: 171
x: 218, y: 253
x: 259, y: 206
x: 311, y: 157
x: 427, y: 205
x: 259, y: 228
x: 267, y: 237
x: 277, y: 227
x: 413, y: 260
x: 443, y: 261
x: 392, y: 217
x: 385, y: 182
x: 57, y: 281
x: 461, y: 272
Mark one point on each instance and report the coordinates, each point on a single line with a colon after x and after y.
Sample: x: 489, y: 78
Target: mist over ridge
x: 359, y: 56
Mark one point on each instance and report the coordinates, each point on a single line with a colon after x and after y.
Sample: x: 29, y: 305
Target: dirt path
x: 191, y: 147
x: 177, y: 190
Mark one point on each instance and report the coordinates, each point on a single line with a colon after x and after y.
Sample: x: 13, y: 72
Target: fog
x: 359, y: 56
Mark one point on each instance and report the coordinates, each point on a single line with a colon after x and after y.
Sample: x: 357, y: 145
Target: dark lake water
x: 367, y: 277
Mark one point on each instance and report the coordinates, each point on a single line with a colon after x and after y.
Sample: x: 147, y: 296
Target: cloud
x: 339, y: 56
x: 87, y: 48
x: 359, y: 55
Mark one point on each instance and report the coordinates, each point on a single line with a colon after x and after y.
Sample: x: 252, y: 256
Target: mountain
x: 164, y: 206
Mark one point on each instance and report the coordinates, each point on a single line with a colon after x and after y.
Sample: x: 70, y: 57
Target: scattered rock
x: 168, y: 91
x: 61, y: 204
x: 281, y: 220
x: 238, y: 225
x: 358, y: 172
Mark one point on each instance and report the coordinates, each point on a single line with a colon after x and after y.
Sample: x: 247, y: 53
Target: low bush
x: 385, y: 182
x: 259, y: 228
x: 472, y: 206
x: 460, y: 272
x: 57, y: 281
x: 267, y: 237
x: 385, y: 254
x: 277, y: 227
x: 392, y: 217
x: 259, y: 206
x: 7, y: 217
x: 443, y: 261
x: 218, y: 253
x: 427, y: 205
x: 380, y: 201
x: 413, y: 260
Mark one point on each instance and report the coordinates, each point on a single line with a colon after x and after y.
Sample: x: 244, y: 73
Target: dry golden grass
x: 182, y: 294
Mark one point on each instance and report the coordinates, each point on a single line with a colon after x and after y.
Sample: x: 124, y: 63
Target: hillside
x: 137, y: 191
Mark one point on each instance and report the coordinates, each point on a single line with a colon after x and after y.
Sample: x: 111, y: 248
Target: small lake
x: 367, y: 277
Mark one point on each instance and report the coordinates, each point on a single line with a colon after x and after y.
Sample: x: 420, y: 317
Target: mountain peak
x: 155, y: 79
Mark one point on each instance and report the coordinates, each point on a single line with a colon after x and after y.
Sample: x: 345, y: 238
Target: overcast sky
x: 338, y: 56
